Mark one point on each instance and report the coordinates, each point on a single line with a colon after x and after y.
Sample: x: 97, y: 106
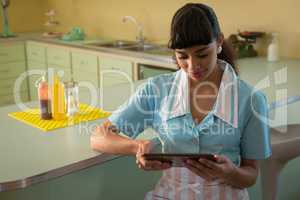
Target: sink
x: 139, y: 47
x: 164, y: 51
x: 114, y: 44
x: 133, y: 46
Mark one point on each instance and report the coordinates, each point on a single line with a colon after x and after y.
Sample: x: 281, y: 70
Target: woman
x: 202, y: 108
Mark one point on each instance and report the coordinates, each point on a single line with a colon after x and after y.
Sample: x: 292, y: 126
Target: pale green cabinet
x: 36, y: 52
x: 115, y: 74
x: 36, y: 65
x: 85, y: 72
x: 115, y: 71
x: 94, y: 73
x: 12, y: 52
x: 12, y: 65
x: 60, y: 60
x: 40, y: 58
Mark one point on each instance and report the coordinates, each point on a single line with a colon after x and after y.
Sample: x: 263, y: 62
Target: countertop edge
x: 167, y: 60
x: 120, y: 52
x: 55, y: 173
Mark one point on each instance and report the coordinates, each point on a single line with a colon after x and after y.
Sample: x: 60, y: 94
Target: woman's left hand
x: 221, y: 169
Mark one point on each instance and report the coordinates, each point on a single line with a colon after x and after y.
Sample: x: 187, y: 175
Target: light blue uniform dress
x: 236, y: 127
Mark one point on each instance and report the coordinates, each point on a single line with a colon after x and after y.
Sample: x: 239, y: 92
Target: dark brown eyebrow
x: 197, y: 51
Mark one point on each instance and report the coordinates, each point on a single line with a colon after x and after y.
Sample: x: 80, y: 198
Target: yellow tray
x: 32, y: 117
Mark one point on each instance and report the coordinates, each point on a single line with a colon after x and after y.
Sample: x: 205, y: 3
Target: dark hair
x: 197, y: 24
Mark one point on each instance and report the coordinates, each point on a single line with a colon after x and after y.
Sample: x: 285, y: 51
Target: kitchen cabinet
x: 114, y: 73
x: 12, y: 65
x: 36, y: 65
x: 85, y: 67
x: 85, y: 72
x: 59, y: 59
x: 42, y: 57
x: 147, y: 71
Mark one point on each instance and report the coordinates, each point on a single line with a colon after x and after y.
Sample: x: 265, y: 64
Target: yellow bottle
x: 58, y: 99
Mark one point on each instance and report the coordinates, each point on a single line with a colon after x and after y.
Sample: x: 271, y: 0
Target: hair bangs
x: 189, y: 29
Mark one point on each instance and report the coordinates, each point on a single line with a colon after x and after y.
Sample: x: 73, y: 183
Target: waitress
x: 204, y: 107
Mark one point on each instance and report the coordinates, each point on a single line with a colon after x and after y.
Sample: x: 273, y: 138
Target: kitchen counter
x: 162, y: 56
x: 29, y: 155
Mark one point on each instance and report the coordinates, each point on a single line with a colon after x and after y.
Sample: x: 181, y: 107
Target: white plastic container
x: 273, y: 48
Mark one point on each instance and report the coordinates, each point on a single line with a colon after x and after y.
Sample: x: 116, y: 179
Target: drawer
x: 36, y: 65
x: 58, y: 57
x: 86, y: 76
x: 36, y: 52
x: 115, y: 65
x: 113, y: 79
x: 10, y: 99
x: 85, y: 62
x: 11, y: 70
x: 57, y: 69
x: 12, y: 53
x: 7, y: 86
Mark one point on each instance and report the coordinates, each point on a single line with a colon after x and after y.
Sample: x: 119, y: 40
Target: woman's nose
x: 192, y: 63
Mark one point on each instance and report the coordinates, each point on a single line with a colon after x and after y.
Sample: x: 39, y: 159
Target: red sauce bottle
x: 45, y: 104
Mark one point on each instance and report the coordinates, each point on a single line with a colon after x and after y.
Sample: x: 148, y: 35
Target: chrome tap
x: 140, y: 37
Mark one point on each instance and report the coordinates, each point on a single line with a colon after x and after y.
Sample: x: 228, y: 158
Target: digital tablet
x: 177, y: 160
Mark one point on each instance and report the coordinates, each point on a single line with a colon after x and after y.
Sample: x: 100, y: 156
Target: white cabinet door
x: 85, y: 72
x: 115, y: 75
x: 12, y: 65
x: 115, y: 71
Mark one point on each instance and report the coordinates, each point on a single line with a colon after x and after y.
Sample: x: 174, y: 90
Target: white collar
x: 226, y: 106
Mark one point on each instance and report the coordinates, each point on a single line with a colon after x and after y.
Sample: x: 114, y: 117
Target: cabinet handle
x: 115, y: 68
x: 83, y: 62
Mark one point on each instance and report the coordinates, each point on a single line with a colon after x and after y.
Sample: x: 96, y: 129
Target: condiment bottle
x: 273, y: 48
x: 58, y: 99
x: 45, y: 106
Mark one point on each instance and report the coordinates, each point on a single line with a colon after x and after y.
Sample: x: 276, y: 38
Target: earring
x: 219, y: 49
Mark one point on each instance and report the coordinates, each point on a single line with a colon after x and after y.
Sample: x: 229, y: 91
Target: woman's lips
x: 198, y: 73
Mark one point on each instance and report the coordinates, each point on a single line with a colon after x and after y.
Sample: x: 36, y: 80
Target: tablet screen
x: 177, y: 160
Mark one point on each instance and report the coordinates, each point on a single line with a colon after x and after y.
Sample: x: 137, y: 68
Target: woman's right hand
x: 145, y: 147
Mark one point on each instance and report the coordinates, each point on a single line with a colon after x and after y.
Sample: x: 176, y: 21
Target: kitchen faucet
x: 140, y: 37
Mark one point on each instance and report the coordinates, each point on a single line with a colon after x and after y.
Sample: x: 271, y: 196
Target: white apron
x: 179, y: 183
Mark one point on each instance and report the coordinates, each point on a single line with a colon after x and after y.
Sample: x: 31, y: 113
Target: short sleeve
x: 136, y: 114
x: 255, y: 141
